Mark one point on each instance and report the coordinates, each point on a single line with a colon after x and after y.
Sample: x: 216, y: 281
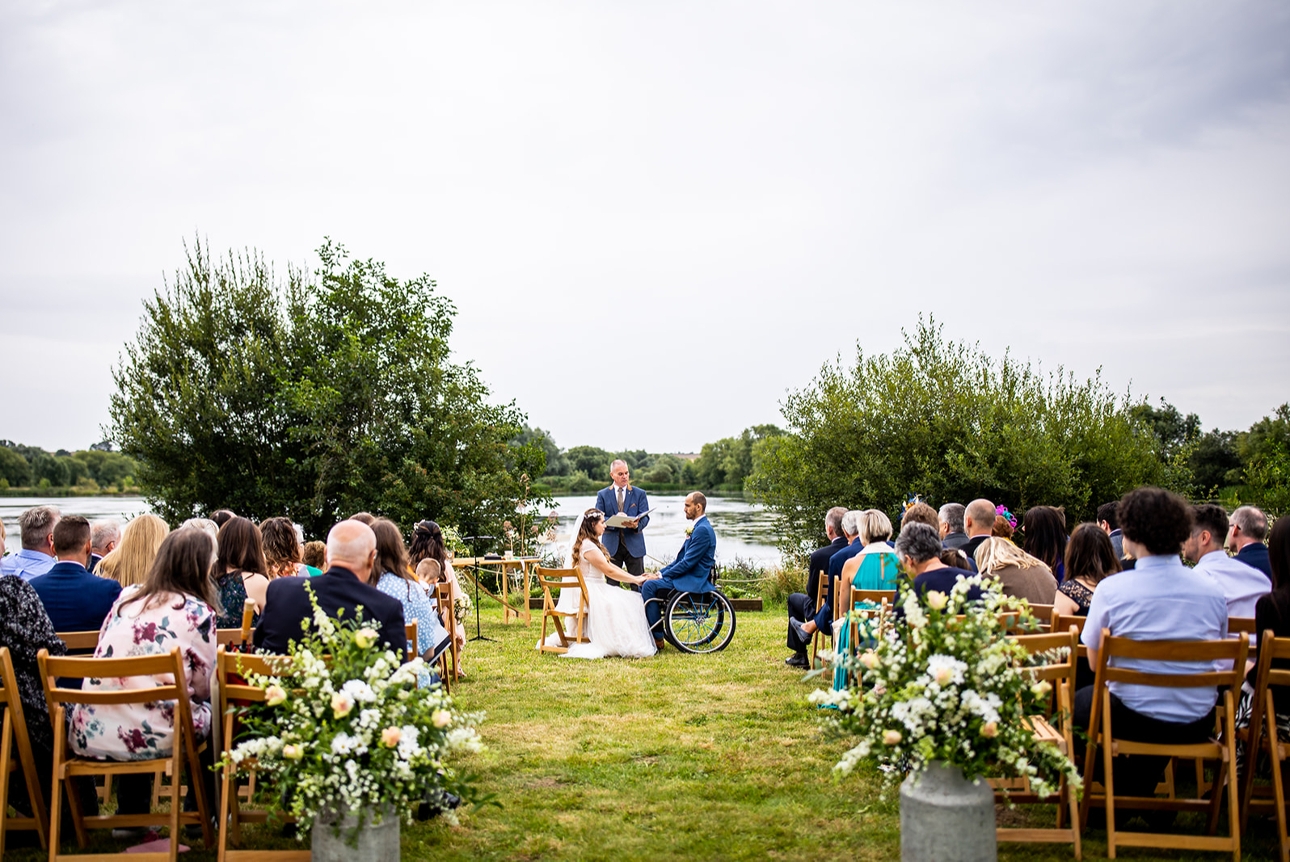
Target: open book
x: 620, y: 519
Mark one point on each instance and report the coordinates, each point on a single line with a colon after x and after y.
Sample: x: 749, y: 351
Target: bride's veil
x: 573, y: 540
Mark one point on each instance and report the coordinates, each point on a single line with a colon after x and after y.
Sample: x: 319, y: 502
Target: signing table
x: 522, y: 565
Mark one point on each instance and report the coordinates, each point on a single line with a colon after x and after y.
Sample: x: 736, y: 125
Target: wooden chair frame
x: 1262, y: 736
x: 1101, y: 735
x: 1062, y: 677
x: 228, y: 668
x: 443, y: 598
x: 550, y: 579
x: 68, y: 766
x: 822, y: 595
x: 411, y: 635
x: 15, y: 741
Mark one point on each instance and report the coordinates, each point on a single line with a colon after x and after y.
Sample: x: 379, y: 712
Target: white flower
x: 937, y: 600
x: 945, y: 669
x: 358, y: 691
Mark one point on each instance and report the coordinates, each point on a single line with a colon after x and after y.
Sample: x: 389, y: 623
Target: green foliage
x: 945, y: 420
x: 1266, y: 451
x: 14, y: 468
x: 729, y: 461
x: 590, y: 460
x: 314, y: 398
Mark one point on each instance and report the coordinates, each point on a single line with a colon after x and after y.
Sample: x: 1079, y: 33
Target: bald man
x: 351, y: 555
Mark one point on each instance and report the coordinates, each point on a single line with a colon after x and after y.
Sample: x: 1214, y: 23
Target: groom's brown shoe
x: 658, y: 646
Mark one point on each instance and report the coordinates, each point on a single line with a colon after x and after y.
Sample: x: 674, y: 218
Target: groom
x: 691, y: 569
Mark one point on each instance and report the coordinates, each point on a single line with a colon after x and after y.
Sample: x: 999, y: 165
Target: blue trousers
x: 655, y: 588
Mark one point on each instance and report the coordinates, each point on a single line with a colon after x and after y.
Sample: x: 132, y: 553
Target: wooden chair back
x: 413, y: 639
x: 1261, y: 737
x: 16, y: 755
x: 1044, y: 614
x: 67, y: 766
x: 1206, y: 655
x: 443, y: 598
x: 823, y: 596
x: 562, y: 579
x: 80, y: 641
x: 1244, y: 625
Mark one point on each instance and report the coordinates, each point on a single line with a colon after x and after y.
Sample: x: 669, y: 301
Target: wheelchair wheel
x: 699, y: 622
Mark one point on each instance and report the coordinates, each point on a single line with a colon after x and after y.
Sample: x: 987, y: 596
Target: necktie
x: 620, y: 501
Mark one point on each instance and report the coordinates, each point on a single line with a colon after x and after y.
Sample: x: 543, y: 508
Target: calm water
x: 744, y: 530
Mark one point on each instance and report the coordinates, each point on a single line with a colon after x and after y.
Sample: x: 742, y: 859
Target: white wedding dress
x: 616, y: 621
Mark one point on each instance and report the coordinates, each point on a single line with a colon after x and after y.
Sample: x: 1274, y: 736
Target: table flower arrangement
x: 344, y: 729
x: 937, y: 689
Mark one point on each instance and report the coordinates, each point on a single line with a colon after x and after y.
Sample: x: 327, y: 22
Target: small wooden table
x: 503, y: 566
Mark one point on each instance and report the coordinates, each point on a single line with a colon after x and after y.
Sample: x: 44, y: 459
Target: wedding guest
x: 801, y: 606
x: 351, y: 554
x: 1090, y: 558
x: 823, y: 619
x: 364, y: 517
x: 36, y: 529
x: 1020, y: 574
x: 1272, y: 611
x: 129, y: 562
x: 978, y: 522
x: 1110, y: 524
x: 876, y: 566
x: 205, y: 524
x: 281, y: 549
x: 1245, y: 538
x: 921, y: 513
x: 1045, y: 528
x: 919, y: 547
x: 1161, y: 600
x: 396, y: 580
x: 1242, y: 585
x: 75, y: 600
x: 1005, y: 523
x: 241, y: 571
x: 105, y: 534
x: 433, y: 564
x: 222, y: 517
x: 173, y: 607
x: 314, y: 555
x: 953, y: 535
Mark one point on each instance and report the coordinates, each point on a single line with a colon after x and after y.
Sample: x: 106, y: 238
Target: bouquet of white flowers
x: 461, y: 607
x: 940, y: 688
x: 344, y: 728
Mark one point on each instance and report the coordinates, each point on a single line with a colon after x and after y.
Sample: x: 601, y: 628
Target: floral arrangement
x: 937, y: 688
x: 461, y: 607
x: 352, y: 732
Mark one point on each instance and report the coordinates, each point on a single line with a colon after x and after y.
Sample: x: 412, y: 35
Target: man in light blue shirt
x: 37, y: 555
x: 1242, y: 585
x: 1160, y: 599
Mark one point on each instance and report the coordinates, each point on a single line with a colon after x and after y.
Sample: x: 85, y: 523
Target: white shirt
x: 1242, y: 585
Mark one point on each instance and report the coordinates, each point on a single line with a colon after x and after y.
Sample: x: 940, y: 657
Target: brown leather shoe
x: 658, y: 646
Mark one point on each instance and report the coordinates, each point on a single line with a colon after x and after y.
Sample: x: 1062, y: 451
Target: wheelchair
x: 696, y: 623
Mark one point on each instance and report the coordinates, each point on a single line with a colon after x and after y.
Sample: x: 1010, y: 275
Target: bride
x: 616, y: 621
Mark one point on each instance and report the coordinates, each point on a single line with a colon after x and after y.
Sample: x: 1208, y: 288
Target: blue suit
x: 691, y: 572
x: 824, y: 616
x: 1256, y: 555
x: 634, y: 502
x: 75, y: 600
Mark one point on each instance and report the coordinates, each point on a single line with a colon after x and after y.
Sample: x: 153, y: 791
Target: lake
x: 744, y: 530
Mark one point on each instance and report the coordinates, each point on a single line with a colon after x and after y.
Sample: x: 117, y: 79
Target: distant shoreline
x: 66, y: 492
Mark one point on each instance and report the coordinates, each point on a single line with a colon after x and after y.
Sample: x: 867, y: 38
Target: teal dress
x: 879, y: 570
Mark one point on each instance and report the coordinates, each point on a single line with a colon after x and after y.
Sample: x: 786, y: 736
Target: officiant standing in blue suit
x: 625, y: 544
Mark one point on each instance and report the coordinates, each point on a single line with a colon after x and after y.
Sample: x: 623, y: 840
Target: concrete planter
x: 378, y: 843
x: 946, y: 818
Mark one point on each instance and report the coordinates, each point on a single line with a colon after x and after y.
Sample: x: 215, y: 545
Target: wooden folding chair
x: 443, y: 598
x: 80, y: 641
x: 410, y: 634
x: 1061, y: 674
x: 239, y: 637
x: 67, y: 766
x: 1101, y: 735
x: 822, y: 595
x: 1044, y: 614
x: 562, y: 579
x: 1262, y: 737
x: 230, y: 668
x: 874, y: 605
x: 15, y: 741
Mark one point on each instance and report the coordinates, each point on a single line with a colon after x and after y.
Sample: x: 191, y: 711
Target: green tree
x: 314, y: 398
x: 947, y: 421
x: 1265, y: 449
x: 590, y: 460
x: 14, y: 468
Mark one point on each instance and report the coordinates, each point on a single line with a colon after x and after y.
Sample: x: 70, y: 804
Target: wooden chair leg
x: 1279, y: 795
x: 1108, y: 779
x: 1073, y: 803
x: 6, y: 743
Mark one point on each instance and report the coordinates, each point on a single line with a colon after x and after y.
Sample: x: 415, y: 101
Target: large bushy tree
x: 313, y: 397
x: 945, y: 420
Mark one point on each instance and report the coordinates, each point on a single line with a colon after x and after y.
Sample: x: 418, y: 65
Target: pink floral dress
x: 144, y: 731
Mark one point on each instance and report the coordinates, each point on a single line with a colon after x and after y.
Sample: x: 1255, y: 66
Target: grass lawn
x: 674, y: 757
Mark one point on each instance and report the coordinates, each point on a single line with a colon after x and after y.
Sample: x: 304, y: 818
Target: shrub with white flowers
x: 937, y: 688
x: 344, y: 728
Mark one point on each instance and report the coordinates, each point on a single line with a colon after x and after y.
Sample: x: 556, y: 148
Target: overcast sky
x: 698, y: 203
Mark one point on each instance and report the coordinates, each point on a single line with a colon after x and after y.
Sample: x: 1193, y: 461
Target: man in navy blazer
x: 351, y: 553
x: 626, y: 545
x: 1245, y: 535
x: 691, y: 571
x: 75, y: 600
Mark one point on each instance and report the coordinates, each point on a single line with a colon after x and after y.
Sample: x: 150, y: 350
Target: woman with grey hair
x: 919, y: 550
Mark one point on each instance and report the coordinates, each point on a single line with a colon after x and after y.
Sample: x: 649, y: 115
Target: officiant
x: 625, y: 544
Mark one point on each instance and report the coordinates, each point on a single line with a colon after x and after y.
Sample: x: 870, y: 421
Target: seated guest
x: 396, y: 580
x: 75, y: 600
x: 314, y: 556
x: 36, y: 529
x: 951, y: 526
x: 222, y: 517
x: 1245, y: 538
x: 1161, y: 600
x: 920, y: 513
x: 351, y: 553
x: 1005, y: 523
x: 281, y: 549
x: 1242, y: 585
x: 1090, y: 557
x: 823, y: 619
x: 1020, y: 574
x: 206, y: 524
x: 978, y: 521
x: 1110, y: 524
x: 105, y: 535
x: 434, y: 565
x: 1272, y: 612
x: 240, y: 571
x: 129, y: 562
x: 1045, y: 528
x: 174, y: 607
x: 876, y: 566
x: 801, y: 606
x: 955, y: 559
x: 919, y: 550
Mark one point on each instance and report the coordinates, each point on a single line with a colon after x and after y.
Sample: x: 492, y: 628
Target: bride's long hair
x: 590, y: 518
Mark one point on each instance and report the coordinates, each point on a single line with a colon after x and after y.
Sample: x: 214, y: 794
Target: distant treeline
x: 90, y: 471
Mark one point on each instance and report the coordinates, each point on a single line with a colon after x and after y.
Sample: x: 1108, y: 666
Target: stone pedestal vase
x: 377, y: 843
x: 946, y: 818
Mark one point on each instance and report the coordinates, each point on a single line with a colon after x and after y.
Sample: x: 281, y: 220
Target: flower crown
x: 1007, y: 516
x: 594, y: 515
